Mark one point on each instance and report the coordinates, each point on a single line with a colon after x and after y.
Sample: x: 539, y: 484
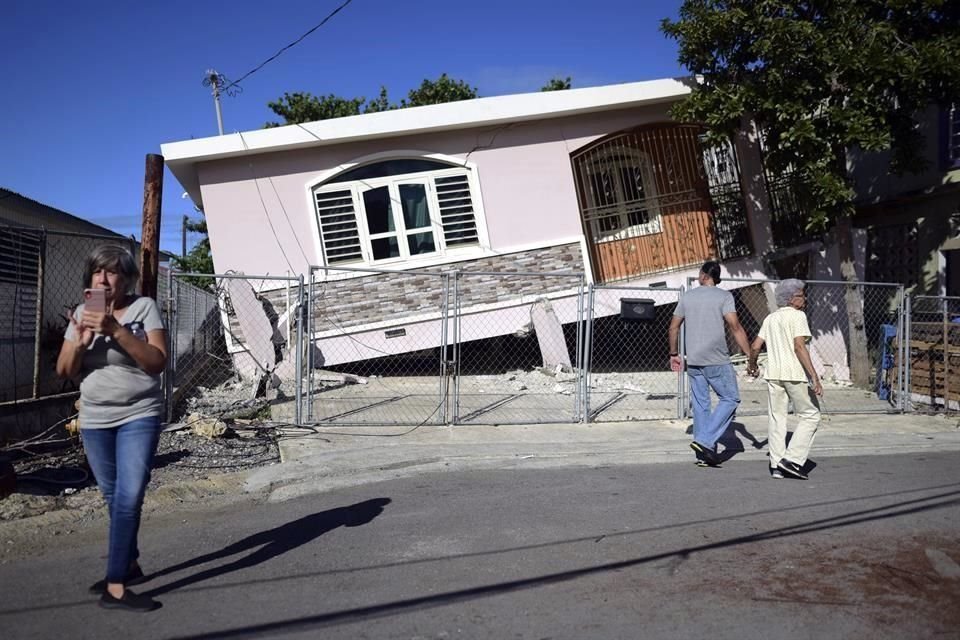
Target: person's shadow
x: 732, y: 444
x: 272, y: 543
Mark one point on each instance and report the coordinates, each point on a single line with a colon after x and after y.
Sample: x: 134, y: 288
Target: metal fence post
x: 456, y: 345
x: 682, y: 404
x: 579, y: 366
x: 171, y: 368
x: 298, y: 353
x: 444, y: 338
x: 309, y: 346
x: 908, y: 338
x: 588, y: 355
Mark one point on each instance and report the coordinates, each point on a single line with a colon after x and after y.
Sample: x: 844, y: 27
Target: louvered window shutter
x: 456, y: 210
x: 338, y: 226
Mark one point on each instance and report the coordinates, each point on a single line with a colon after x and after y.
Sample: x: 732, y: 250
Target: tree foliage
x: 198, y: 259
x: 300, y: 107
x: 443, y: 89
x: 820, y: 78
x: 556, y: 84
x: 306, y: 107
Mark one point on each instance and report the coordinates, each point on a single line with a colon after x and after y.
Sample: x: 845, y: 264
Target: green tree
x: 443, y: 89
x: 556, y: 84
x: 198, y: 259
x: 821, y: 79
x: 300, y: 107
x: 305, y: 107
x: 380, y: 103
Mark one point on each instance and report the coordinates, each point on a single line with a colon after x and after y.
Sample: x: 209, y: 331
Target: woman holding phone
x: 116, y: 343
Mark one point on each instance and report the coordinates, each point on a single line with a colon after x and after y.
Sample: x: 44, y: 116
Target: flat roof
x: 182, y: 157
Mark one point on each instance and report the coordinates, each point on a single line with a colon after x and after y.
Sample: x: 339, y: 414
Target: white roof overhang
x: 183, y: 157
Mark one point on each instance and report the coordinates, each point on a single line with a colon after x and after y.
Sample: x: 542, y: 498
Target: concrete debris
x: 339, y: 378
x: 227, y: 401
x: 524, y: 331
x: 206, y: 427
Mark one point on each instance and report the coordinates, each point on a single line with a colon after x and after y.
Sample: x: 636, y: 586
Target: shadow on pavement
x: 272, y: 543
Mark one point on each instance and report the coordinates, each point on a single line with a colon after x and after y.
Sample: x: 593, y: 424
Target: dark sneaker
x: 776, y: 474
x: 129, y: 602
x: 135, y: 577
x: 791, y: 470
x: 707, y: 456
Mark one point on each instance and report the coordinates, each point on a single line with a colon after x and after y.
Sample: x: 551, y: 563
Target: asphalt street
x: 868, y: 547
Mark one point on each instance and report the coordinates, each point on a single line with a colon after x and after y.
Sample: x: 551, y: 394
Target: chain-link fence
x: 854, y: 346
x: 376, y: 346
x: 41, y: 275
x: 235, y: 347
x: 381, y: 347
x: 932, y: 353
x: 517, y: 347
x: 627, y: 373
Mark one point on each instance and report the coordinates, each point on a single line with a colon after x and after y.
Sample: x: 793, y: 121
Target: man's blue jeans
x: 121, y: 458
x: 710, y: 425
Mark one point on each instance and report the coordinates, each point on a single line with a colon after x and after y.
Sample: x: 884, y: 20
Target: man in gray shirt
x: 707, y: 311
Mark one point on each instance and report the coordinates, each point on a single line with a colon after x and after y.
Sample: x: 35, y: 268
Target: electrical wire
x: 294, y: 43
x: 289, y: 223
x: 263, y: 205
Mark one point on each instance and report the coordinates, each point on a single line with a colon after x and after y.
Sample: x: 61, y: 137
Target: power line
x: 295, y: 42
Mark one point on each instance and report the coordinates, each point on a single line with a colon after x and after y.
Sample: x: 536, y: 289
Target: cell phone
x: 95, y: 300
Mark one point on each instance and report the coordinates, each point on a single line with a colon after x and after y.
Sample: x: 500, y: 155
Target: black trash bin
x: 637, y: 310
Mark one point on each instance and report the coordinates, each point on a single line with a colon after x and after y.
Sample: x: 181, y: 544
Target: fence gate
x: 376, y: 347
x: 516, y: 347
x: 627, y: 373
x: 932, y: 353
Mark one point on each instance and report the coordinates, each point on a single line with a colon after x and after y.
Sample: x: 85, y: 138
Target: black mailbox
x: 637, y: 309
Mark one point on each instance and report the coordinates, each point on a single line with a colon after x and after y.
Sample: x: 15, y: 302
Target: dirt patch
x: 57, y: 495
x: 888, y: 581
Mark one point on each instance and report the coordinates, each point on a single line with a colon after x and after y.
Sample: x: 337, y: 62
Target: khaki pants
x: 807, y: 410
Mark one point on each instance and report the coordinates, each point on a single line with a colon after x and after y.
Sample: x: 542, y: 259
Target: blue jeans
x: 710, y: 425
x: 121, y: 459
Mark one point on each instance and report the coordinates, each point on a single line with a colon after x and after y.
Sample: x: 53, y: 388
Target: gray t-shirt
x: 114, y: 390
x: 705, y: 337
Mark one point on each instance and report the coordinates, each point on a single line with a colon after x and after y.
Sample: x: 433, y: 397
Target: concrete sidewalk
x: 335, y: 457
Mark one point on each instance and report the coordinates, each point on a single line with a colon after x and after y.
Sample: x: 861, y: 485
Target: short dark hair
x: 116, y: 257
x: 712, y: 269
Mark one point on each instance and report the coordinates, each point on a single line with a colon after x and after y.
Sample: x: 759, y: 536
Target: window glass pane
x: 377, y: 205
x: 384, y: 248
x: 420, y: 243
x: 413, y: 197
x: 389, y: 168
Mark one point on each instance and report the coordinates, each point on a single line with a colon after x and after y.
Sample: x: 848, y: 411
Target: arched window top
x: 386, y: 168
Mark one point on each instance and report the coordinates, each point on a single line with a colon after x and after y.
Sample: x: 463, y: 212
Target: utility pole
x: 150, y: 237
x: 183, y: 237
x: 215, y: 80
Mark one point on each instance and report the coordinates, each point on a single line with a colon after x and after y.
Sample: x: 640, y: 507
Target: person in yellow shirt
x: 790, y: 376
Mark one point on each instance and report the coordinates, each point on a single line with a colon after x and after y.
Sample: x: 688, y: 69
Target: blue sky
x: 90, y: 88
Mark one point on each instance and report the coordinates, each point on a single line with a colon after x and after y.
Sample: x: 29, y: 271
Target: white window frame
x: 443, y: 252
x: 624, y: 229
x: 400, y: 231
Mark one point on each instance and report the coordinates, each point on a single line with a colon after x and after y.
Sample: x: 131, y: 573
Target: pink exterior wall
x: 524, y: 173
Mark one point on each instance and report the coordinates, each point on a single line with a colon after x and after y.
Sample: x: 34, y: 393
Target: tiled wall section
x: 390, y: 296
